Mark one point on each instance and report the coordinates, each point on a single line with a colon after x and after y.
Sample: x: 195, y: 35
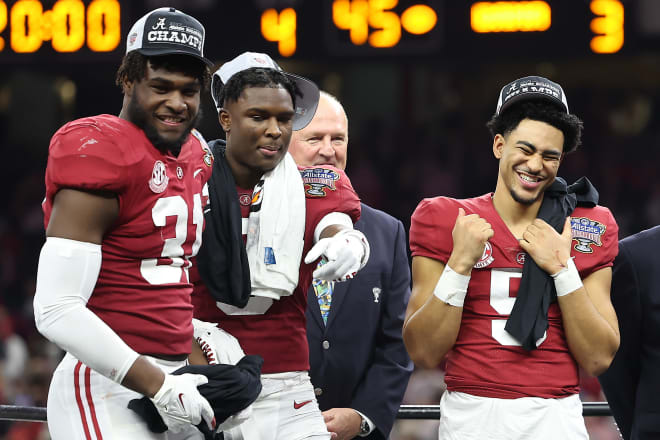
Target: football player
x: 514, y: 286
x: 284, y: 219
x: 123, y: 216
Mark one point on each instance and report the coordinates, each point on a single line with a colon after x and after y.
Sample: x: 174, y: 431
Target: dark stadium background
x: 417, y: 114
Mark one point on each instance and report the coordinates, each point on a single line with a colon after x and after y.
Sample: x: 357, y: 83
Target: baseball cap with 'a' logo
x: 167, y: 31
x: 531, y: 88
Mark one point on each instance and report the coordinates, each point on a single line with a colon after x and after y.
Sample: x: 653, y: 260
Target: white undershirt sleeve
x: 333, y: 218
x: 66, y: 276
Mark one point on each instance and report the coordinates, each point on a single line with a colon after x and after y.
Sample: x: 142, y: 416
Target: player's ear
x: 225, y: 120
x: 128, y: 86
x: 498, y: 146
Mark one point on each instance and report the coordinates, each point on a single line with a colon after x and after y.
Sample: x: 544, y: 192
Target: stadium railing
x: 38, y: 414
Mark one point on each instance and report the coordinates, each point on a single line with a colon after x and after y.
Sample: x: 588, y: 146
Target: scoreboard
x: 84, y: 30
x: 68, y: 26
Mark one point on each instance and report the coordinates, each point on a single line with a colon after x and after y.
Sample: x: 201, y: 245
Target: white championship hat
x: 166, y: 31
x: 306, y: 102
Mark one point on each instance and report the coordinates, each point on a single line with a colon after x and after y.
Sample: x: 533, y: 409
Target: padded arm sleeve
x: 66, y: 276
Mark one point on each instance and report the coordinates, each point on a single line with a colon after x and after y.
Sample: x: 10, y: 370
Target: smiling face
x: 165, y: 105
x: 258, y: 127
x: 529, y: 160
x: 324, y: 141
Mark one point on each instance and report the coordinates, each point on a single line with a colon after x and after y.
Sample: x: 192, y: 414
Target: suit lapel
x: 313, y: 304
x: 339, y: 292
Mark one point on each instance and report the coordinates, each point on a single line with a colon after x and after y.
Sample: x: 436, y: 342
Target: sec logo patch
x: 159, y: 180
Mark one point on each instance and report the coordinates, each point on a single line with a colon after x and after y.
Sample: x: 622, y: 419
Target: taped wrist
x: 452, y: 287
x: 568, y: 279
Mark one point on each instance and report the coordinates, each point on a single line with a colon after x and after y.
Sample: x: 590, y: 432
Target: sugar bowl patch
x: 318, y: 180
x: 587, y: 233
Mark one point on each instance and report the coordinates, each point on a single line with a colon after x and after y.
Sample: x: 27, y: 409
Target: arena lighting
x: 280, y: 27
x: 608, y: 26
x: 66, y: 25
x: 525, y: 16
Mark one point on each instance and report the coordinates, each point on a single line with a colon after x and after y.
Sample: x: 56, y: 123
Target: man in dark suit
x: 359, y: 365
x: 632, y: 383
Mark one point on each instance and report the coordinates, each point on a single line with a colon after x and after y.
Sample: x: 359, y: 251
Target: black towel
x: 529, y: 317
x: 231, y: 388
x: 222, y: 260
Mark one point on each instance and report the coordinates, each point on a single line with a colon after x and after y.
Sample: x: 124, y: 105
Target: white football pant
x: 286, y: 409
x: 83, y: 405
x: 467, y: 417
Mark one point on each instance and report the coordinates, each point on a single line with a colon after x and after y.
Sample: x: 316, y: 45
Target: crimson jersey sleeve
x: 595, y: 239
x: 327, y: 190
x: 84, y: 154
x: 430, y: 228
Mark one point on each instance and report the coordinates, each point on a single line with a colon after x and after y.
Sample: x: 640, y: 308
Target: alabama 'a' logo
x: 587, y: 233
x: 486, y: 257
x: 208, y: 155
x: 245, y: 199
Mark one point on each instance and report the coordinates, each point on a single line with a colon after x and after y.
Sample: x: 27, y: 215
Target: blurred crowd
x: 436, y: 144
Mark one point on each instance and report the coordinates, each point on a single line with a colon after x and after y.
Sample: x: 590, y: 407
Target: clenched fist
x: 470, y: 235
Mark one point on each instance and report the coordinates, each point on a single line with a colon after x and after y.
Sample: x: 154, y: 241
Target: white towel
x: 276, y: 231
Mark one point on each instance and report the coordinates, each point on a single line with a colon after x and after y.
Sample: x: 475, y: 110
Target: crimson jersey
x: 279, y: 333
x: 143, y: 291
x: 486, y: 360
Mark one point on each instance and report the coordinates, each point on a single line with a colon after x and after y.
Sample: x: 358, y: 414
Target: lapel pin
x: 376, y: 292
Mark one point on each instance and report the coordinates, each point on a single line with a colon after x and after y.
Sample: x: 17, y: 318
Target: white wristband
x: 452, y: 287
x: 568, y: 279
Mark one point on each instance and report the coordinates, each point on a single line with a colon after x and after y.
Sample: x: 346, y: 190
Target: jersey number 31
x: 174, y: 206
